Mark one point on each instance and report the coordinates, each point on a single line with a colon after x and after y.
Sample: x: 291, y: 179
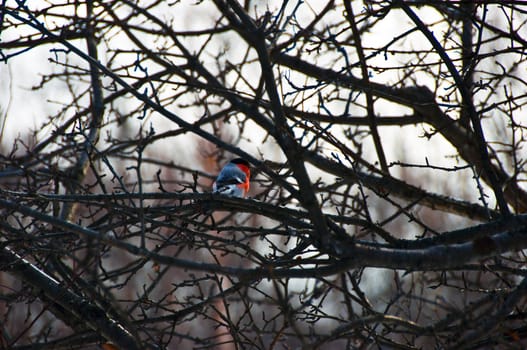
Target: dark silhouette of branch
x: 387, y: 199
x: 71, y: 303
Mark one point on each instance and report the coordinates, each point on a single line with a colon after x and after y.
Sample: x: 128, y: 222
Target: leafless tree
x: 388, y: 202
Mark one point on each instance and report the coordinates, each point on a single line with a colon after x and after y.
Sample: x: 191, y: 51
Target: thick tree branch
x: 350, y: 254
x: 421, y: 99
x: 481, y: 144
x: 79, y: 308
x: 256, y: 38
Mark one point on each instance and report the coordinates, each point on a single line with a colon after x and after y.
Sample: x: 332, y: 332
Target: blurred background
x: 396, y: 125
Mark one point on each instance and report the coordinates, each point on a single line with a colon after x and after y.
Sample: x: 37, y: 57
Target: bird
x: 233, y: 179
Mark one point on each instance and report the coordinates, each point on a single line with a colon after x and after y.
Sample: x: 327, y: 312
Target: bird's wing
x: 231, y: 181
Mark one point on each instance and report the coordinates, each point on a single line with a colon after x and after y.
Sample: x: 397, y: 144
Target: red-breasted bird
x: 233, y: 179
